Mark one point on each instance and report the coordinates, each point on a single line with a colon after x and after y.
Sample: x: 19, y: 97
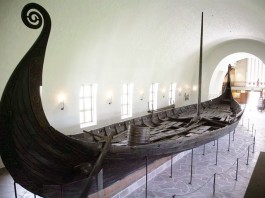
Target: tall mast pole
x: 200, y: 71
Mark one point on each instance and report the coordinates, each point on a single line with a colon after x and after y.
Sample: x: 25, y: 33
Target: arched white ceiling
x: 110, y: 42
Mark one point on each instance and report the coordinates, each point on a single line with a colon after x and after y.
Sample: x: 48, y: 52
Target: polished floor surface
x: 203, y: 170
x: 204, y: 166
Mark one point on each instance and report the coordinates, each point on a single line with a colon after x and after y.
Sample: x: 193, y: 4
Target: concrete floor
x: 203, y: 168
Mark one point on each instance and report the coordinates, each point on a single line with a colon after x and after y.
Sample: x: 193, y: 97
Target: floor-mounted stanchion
x: 34, y: 196
x: 236, y: 168
x: 15, y: 189
x: 254, y: 138
x: 100, y: 181
x: 253, y: 148
x: 146, y: 173
x: 191, y: 164
x: 171, y: 170
x: 247, y: 156
x: 214, y: 176
x: 203, y: 150
x: 228, y: 149
x: 248, y: 124
x: 252, y: 130
x: 214, y: 143
x: 234, y: 134
x: 216, y: 152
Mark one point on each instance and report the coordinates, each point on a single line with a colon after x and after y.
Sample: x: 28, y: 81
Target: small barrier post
x: 236, y: 168
x: 214, y: 176
x: 191, y: 166
x: 247, y: 156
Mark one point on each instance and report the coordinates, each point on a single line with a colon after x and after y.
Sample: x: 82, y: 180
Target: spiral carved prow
x: 33, y: 16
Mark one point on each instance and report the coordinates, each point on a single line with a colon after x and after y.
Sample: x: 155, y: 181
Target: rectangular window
x: 126, y: 101
x: 87, y: 105
x: 172, y: 93
x: 153, y: 96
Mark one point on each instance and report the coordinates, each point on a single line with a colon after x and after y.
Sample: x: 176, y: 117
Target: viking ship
x: 51, y: 164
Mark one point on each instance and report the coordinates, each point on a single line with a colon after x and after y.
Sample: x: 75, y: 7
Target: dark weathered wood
x: 50, y: 164
x: 200, y: 71
x: 33, y: 152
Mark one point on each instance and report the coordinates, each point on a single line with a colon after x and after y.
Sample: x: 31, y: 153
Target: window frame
x: 126, y: 100
x: 87, y: 105
x: 172, y: 93
x: 153, y: 91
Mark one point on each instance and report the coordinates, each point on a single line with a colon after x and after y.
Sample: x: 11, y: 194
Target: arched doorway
x: 247, y: 79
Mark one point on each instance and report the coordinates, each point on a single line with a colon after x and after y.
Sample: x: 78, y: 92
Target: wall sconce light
x: 61, y: 99
x: 179, y: 90
x: 163, y: 92
x: 141, y: 95
x: 109, y: 97
x: 194, y: 88
x: 186, y: 96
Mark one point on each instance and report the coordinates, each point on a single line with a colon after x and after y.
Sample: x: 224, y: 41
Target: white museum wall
x: 114, y: 42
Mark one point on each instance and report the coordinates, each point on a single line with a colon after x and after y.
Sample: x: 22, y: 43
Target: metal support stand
x: 216, y: 153
x: 100, y: 183
x: 248, y: 124
x: 252, y: 130
x: 34, y: 196
x: 236, y: 168
x: 254, y: 139
x: 229, y: 143
x: 191, y: 166
x: 253, y: 148
x: 203, y: 150
x: 214, y: 143
x: 248, y: 156
x: 146, y: 173
x: 234, y: 134
x: 214, y: 176
x: 171, y: 171
x: 15, y: 189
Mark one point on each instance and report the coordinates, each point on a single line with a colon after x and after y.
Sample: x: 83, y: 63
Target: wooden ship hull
x: 50, y: 164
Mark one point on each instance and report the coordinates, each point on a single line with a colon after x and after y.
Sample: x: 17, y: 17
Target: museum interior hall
x: 132, y: 98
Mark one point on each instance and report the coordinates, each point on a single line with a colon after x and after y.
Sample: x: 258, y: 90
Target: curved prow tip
x: 228, y: 90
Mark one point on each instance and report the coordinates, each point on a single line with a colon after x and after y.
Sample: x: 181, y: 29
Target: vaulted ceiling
x: 110, y: 42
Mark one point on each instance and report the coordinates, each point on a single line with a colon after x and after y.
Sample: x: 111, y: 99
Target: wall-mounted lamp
x: 61, y: 99
x: 141, y: 95
x: 109, y: 97
x: 194, y: 88
x: 179, y: 90
x: 163, y: 92
x: 186, y: 96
